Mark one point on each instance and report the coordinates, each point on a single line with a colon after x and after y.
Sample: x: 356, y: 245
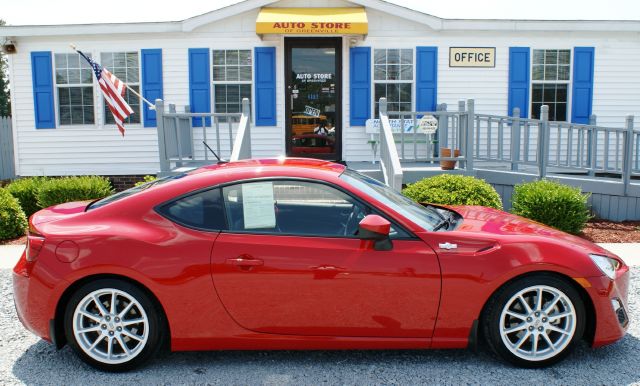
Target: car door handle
x: 245, y: 261
x: 448, y: 246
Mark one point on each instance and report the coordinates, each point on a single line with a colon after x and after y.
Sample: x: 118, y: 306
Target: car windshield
x: 131, y: 191
x: 425, y: 217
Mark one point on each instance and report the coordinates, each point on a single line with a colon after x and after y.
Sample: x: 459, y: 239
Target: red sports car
x: 305, y: 254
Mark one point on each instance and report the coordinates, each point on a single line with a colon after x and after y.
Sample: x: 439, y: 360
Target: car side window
x: 294, y: 208
x: 202, y: 210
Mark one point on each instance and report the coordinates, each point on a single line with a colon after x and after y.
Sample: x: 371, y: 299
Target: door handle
x: 448, y: 246
x: 245, y: 261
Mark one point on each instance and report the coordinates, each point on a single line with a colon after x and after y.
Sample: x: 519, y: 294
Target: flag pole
x: 151, y: 105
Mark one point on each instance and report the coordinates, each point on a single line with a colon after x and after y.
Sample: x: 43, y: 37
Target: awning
x: 312, y: 21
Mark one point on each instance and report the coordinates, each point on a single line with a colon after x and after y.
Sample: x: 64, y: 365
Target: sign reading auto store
x: 472, y: 56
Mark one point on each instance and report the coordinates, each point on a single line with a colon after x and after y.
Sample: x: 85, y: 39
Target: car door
x: 290, y: 264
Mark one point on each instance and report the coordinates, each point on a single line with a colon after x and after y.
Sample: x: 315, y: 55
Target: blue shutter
x: 151, y: 82
x: 582, y: 94
x: 199, y: 84
x: 426, y: 78
x: 519, y: 80
x: 265, y: 86
x: 360, y: 85
x: 42, y: 77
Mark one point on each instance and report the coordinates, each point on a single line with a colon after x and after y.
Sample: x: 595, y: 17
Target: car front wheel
x: 112, y: 325
x: 535, y: 321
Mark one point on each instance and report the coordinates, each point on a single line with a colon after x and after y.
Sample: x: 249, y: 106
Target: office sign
x: 472, y: 56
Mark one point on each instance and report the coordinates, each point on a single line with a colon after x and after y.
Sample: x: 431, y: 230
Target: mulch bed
x: 597, y: 231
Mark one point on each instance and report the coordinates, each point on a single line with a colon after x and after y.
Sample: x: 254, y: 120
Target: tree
x: 5, y: 97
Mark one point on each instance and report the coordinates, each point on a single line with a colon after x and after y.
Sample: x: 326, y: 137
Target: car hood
x: 58, y: 212
x: 497, y: 222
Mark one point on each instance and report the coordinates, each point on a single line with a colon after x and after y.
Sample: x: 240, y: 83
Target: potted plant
x: 445, y: 152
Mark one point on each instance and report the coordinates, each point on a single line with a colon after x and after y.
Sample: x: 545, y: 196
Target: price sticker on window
x: 258, y: 205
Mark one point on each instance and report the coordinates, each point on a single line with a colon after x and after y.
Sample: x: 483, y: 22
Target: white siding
x: 101, y: 150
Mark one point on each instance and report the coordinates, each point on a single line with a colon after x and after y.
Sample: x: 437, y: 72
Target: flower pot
x: 446, y: 152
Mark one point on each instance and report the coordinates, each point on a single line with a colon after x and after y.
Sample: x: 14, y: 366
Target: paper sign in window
x: 257, y: 205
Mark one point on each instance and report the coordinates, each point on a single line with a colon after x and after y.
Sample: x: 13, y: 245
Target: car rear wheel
x: 112, y: 325
x: 535, y: 321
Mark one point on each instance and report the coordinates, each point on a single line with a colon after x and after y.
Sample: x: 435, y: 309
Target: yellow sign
x: 312, y: 21
x: 472, y: 56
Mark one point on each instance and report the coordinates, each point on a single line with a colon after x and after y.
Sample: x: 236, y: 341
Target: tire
x: 113, y: 340
x: 539, y: 336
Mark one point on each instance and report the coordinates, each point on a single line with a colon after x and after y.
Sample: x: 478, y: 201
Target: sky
x: 21, y: 12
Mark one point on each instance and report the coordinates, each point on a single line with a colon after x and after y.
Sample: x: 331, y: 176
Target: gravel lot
x: 24, y: 359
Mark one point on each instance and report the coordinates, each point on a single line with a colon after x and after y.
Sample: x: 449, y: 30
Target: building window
x: 393, y: 78
x: 74, y: 84
x: 231, y: 79
x: 550, y: 83
x: 126, y: 67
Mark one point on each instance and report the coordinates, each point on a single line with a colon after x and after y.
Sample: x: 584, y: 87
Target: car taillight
x: 35, y: 241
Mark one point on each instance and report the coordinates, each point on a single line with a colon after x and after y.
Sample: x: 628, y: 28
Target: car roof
x: 280, y: 162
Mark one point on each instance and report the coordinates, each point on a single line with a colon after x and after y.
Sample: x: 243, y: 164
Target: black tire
x: 491, y: 322
x: 153, y: 325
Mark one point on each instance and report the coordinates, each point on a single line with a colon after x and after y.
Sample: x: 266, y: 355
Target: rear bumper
x: 31, y: 299
x: 611, y: 308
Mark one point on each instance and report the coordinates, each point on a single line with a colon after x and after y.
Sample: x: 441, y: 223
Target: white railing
x: 187, y: 139
x: 389, y: 160
x: 242, y: 143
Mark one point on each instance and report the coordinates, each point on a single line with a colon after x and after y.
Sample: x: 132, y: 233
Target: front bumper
x: 611, y: 308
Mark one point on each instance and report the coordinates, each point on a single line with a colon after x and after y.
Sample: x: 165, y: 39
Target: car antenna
x: 220, y: 161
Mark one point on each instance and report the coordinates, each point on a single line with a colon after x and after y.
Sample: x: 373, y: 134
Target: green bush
x: 146, y: 179
x: 26, y: 191
x: 551, y: 203
x: 450, y: 189
x: 13, y: 222
x: 59, y: 190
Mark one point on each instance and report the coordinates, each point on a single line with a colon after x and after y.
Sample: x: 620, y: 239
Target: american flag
x: 113, y: 91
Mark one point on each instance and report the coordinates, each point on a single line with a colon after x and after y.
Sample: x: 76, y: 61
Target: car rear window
x: 131, y: 191
x: 201, y: 210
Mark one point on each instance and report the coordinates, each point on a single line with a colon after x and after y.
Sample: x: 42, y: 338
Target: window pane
x: 379, y: 56
x: 63, y: 96
x: 538, y: 56
x: 406, y: 72
x: 551, y: 72
x: 218, y: 73
x: 299, y: 208
x: 233, y: 73
x: 132, y: 59
x: 561, y: 112
x: 119, y: 59
x: 393, y: 72
x: 550, y: 57
x: 393, y: 92
x: 405, y: 92
x: 75, y: 95
x: 393, y: 56
x: 538, y: 72
x: 561, y: 93
x: 61, y: 77
x: 535, y: 110
x: 202, y: 210
x: 65, y: 115
x: 73, y: 60
x: 380, y: 72
x: 106, y: 59
x: 245, y: 73
x: 74, y: 76
x: 563, y: 72
x: 245, y: 91
x: 77, y: 116
x: 120, y: 73
x: 218, y: 57
x: 406, y: 56
x: 564, y: 57
x: 245, y: 57
x: 88, y: 115
x: 536, y: 94
x: 220, y: 92
x: 549, y: 93
x: 86, y: 76
x: 233, y: 94
x: 232, y: 57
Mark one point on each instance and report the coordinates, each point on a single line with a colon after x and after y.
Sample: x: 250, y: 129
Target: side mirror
x: 376, y: 229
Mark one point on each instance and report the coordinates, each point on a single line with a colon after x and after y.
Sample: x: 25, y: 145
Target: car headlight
x: 607, y: 265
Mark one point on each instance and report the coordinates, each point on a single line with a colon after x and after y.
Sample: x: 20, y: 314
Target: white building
x: 304, y: 68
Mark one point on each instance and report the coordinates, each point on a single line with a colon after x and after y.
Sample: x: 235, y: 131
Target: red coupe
x: 305, y: 254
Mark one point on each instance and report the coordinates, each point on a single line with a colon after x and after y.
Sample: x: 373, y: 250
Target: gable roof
x: 433, y: 22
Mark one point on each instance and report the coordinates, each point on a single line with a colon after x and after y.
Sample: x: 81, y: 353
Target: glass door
x: 313, y: 97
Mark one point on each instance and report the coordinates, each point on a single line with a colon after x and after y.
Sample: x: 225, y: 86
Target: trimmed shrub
x: 146, y: 179
x: 26, y: 191
x: 451, y: 189
x: 59, y: 190
x: 13, y: 222
x: 552, y: 203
